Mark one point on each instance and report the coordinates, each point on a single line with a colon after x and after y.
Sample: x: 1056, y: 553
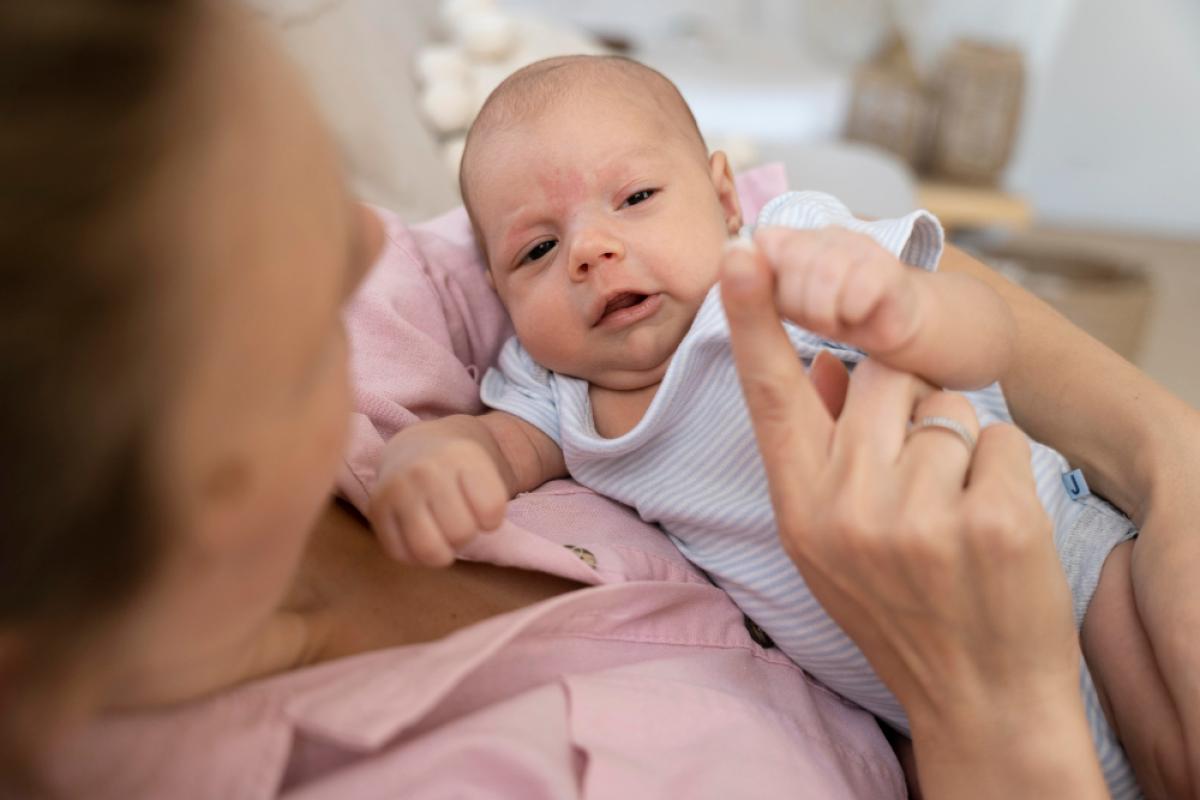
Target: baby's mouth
x: 625, y: 308
x: 623, y: 300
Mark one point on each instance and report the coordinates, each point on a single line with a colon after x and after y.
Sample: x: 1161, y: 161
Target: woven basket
x: 889, y: 107
x: 977, y: 90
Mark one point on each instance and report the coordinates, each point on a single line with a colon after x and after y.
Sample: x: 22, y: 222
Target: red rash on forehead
x: 562, y: 186
x: 543, y: 170
x: 561, y: 189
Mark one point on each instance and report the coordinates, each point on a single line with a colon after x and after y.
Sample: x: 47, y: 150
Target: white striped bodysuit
x: 691, y: 465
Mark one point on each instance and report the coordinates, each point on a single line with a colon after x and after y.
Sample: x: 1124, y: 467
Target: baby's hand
x: 843, y: 286
x: 435, y: 493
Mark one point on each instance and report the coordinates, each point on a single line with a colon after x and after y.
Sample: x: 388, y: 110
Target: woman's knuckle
x: 985, y: 517
x: 1001, y: 529
x: 922, y: 537
x: 859, y: 530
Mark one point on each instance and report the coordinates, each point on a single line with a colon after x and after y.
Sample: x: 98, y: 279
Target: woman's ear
x: 722, y: 178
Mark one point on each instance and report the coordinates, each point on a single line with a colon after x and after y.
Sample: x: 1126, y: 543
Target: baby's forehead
x: 533, y: 110
x: 535, y: 104
x: 534, y: 90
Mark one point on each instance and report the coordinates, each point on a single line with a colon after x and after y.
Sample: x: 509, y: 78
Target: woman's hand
x: 937, y: 560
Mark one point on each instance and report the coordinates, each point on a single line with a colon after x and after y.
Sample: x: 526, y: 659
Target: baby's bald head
x: 531, y: 90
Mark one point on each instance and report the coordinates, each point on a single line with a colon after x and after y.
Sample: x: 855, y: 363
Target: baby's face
x: 603, y: 226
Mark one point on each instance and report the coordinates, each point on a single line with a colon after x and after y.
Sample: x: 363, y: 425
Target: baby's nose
x: 590, y: 253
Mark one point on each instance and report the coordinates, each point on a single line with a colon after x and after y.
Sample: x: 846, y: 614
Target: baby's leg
x: 1129, y: 683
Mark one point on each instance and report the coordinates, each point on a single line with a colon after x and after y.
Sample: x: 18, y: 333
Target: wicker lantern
x: 889, y: 107
x: 977, y: 90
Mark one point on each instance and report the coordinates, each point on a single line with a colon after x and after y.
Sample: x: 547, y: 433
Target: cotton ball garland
x: 448, y: 105
x: 483, y: 45
x: 487, y: 35
x: 442, y: 62
x: 453, y: 12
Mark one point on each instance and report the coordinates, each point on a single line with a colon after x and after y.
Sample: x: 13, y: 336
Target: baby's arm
x: 443, y: 482
x: 949, y: 328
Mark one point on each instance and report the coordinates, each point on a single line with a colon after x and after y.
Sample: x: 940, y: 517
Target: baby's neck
x: 616, y: 412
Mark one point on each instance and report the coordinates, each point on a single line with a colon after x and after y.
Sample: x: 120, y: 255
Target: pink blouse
x: 649, y: 683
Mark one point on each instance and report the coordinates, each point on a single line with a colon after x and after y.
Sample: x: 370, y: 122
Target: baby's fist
x: 844, y: 286
x: 435, y: 493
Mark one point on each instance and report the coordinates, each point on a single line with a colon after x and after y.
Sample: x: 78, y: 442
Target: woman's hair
x: 88, y: 97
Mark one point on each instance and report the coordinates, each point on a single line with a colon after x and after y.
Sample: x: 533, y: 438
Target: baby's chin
x: 632, y: 374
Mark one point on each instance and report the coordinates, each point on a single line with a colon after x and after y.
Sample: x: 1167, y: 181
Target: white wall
x: 1111, y: 136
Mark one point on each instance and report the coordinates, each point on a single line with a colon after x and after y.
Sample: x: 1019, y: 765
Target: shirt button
x: 758, y: 634
x: 585, y: 555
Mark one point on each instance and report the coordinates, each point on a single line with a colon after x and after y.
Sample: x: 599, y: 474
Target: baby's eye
x: 639, y: 197
x: 540, y: 249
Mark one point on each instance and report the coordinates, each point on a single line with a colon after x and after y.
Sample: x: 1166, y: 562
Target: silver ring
x: 947, y: 424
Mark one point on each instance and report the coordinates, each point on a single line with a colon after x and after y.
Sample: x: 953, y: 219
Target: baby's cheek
x: 547, y: 338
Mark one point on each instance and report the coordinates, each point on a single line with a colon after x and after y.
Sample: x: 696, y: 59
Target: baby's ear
x: 722, y: 178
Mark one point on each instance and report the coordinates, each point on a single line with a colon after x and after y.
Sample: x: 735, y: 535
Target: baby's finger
x: 864, y: 286
x: 790, y: 283
x: 423, y: 538
x: 822, y: 290
x: 792, y: 256
x: 389, y: 532
x: 790, y: 420
x: 452, y: 513
x: 486, y: 496
x: 385, y: 521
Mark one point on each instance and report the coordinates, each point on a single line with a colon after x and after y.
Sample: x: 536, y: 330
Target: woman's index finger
x: 791, y: 422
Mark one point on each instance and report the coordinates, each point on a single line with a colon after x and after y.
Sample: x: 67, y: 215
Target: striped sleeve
x: 520, y: 386
x: 916, y: 238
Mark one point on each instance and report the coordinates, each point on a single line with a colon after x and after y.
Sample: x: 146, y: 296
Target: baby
x: 603, y: 218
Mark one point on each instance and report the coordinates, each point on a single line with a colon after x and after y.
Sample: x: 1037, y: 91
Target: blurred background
x: 1058, y: 139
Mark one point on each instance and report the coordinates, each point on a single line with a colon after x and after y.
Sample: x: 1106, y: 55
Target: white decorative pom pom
x: 441, y: 62
x: 453, y: 12
x: 448, y: 105
x: 487, y: 36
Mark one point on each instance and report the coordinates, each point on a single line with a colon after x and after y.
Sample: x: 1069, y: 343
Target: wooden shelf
x: 965, y: 206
